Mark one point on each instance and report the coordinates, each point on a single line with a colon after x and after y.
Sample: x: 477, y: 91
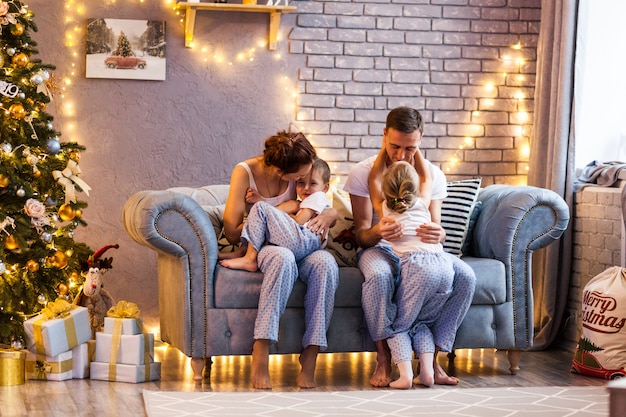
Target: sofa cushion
x: 490, y: 280
x: 456, y: 210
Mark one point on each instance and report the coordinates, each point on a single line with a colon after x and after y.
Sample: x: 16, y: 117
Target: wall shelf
x: 274, y: 12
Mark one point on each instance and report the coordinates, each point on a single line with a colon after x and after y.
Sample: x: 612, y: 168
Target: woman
x: 271, y: 177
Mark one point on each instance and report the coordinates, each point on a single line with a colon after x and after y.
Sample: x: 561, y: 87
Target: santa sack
x: 601, y: 351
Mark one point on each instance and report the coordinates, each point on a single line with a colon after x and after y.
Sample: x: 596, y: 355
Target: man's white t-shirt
x: 356, y: 184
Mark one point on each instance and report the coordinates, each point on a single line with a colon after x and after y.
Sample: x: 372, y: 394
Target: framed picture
x: 125, y: 48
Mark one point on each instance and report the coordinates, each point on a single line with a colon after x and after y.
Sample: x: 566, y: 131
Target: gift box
x: 127, y: 326
x: 54, y: 332
x: 82, y: 356
x: 126, y: 349
x: 49, y: 368
x: 125, y: 373
x: 12, y: 367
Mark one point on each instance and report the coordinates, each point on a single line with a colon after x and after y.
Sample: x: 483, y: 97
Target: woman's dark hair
x: 405, y: 120
x: 400, y: 186
x: 288, y: 151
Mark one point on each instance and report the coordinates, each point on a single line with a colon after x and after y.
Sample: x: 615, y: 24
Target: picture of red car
x: 125, y: 62
x: 585, y: 363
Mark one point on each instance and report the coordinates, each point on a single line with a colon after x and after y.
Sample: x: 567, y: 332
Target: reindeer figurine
x: 93, y: 296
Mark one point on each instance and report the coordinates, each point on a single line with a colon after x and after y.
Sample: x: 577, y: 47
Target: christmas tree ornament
x: 17, y: 345
x: 11, y: 243
x: 74, y: 155
x: 60, y: 260
x: 53, y: 146
x: 68, y: 177
x: 4, y: 181
x: 41, y: 299
x: 62, y: 289
x: 6, y: 147
x: 32, y: 266
x: 20, y: 192
x: 11, y: 51
x: 50, y: 201
x: 17, y: 111
x: 20, y: 60
x: 66, y: 212
x: 46, y: 237
x: 36, y: 79
x: 17, y: 29
x: 3, y: 267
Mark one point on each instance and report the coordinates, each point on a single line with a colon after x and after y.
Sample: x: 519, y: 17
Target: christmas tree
x: 39, y: 183
x: 123, y: 46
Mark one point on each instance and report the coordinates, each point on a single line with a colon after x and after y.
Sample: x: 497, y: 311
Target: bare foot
x: 260, y: 364
x: 442, y: 378
x: 243, y: 263
x: 382, y: 374
x: 308, y: 359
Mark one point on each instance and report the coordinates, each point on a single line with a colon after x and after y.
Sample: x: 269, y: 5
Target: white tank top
x: 289, y: 194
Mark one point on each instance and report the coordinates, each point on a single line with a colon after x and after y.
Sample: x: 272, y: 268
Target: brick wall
x: 597, y: 246
x: 467, y: 65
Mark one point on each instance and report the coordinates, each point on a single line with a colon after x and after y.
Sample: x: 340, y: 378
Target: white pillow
x: 456, y: 210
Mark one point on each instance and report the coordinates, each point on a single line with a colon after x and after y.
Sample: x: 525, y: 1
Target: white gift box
x: 49, y: 368
x: 125, y: 373
x: 128, y: 326
x: 82, y: 356
x: 54, y: 336
x: 131, y: 349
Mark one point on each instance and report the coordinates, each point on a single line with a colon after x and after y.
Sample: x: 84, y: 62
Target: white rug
x: 465, y: 402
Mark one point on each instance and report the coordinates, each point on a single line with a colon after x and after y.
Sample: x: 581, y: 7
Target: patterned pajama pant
x: 281, y: 267
x: 266, y: 223
x: 381, y: 269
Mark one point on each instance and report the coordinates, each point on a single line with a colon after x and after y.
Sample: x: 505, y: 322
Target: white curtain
x: 551, y: 161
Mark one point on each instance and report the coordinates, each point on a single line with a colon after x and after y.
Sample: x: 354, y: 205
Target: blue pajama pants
x: 320, y: 273
x: 381, y: 269
x: 266, y: 223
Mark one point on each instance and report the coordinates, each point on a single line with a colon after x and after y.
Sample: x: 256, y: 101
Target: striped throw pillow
x: 456, y: 210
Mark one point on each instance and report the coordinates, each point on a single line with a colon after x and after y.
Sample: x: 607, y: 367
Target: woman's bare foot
x: 382, y: 374
x: 308, y: 359
x: 406, y: 376
x: 243, y: 263
x: 442, y: 378
x: 260, y: 364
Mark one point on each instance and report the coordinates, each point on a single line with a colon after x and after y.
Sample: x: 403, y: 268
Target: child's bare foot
x: 308, y: 359
x: 401, y: 383
x: 405, y: 381
x: 422, y: 379
x: 237, y: 253
x: 260, y: 365
x: 243, y: 263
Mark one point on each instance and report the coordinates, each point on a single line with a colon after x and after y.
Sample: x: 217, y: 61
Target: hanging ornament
x: 36, y: 79
x: 6, y: 147
x: 46, y: 237
x: 62, y: 289
x: 7, y: 89
x: 53, y: 145
x: 10, y: 243
x: 32, y: 266
x: 68, y: 177
x: 66, y: 212
x: 20, y: 60
x: 51, y: 201
x: 41, y: 299
x: 17, y: 29
x: 4, y: 181
x: 11, y: 51
x: 20, y: 192
x: 8, y: 221
x: 78, y: 212
x: 74, y: 155
x: 17, y: 344
x: 60, y: 260
x: 17, y: 111
x: 3, y: 267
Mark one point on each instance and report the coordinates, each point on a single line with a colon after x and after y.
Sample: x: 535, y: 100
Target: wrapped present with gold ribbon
x: 125, y: 373
x: 124, y: 315
x: 59, y: 327
x: 12, y: 367
x: 82, y: 356
x: 49, y: 368
x: 125, y: 349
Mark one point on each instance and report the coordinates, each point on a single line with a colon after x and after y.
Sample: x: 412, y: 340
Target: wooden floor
x: 335, y: 372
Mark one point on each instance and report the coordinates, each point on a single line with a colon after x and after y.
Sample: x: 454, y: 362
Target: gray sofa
x: 207, y: 310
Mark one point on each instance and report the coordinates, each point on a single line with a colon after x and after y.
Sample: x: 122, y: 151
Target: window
x: 600, y: 84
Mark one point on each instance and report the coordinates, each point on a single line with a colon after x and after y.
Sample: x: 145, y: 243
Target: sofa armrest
x: 515, y: 221
x: 177, y: 228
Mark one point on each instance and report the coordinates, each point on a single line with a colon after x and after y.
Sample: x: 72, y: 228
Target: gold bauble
x: 10, y: 243
x: 17, y: 30
x: 20, y: 60
x: 32, y: 266
x: 4, y: 181
x: 36, y: 173
x: 78, y: 212
x: 75, y: 155
x: 17, y: 111
x: 60, y: 260
x: 62, y: 289
x: 66, y: 212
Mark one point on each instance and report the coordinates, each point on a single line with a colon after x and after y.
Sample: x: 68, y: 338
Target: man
x: 402, y: 136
